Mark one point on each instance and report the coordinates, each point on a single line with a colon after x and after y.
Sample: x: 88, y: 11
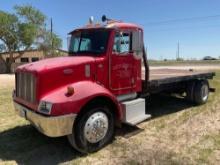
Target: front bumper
x: 50, y: 126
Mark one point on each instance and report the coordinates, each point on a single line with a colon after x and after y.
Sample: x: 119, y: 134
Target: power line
x: 184, y: 20
x: 182, y: 28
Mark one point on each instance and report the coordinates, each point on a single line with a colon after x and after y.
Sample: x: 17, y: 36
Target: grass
x: 178, y: 133
x: 206, y: 148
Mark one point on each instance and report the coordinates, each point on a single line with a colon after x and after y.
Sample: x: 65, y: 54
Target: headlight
x: 45, y: 107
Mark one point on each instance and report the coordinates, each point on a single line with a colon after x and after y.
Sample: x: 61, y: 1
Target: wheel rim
x: 205, y: 92
x: 96, y: 127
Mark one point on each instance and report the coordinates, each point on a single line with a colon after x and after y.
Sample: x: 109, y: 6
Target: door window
x: 122, y: 43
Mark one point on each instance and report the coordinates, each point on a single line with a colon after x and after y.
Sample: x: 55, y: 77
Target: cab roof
x: 110, y: 25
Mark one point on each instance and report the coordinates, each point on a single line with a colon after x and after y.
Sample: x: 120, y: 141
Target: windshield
x: 88, y: 41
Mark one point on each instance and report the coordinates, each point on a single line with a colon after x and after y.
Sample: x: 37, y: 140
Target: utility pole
x: 146, y: 50
x: 51, y: 33
x: 178, y: 51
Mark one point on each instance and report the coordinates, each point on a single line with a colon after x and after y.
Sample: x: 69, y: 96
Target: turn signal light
x: 70, y: 90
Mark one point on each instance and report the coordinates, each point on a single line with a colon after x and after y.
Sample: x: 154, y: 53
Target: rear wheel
x: 198, y: 92
x: 190, y: 91
x: 201, y: 93
x: 93, y: 129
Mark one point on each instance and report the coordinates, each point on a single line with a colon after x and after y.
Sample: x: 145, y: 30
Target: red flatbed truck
x: 100, y: 84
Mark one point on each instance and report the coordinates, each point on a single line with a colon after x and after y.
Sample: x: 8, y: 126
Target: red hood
x: 54, y: 63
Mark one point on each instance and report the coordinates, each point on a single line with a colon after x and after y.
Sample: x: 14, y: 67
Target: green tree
x: 24, y: 30
x: 49, y: 44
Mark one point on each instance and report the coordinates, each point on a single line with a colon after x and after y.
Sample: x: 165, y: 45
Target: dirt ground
x: 6, y: 80
x: 178, y: 133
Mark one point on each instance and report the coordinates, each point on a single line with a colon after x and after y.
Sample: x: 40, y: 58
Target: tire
x: 83, y: 138
x: 190, y: 91
x: 201, y: 92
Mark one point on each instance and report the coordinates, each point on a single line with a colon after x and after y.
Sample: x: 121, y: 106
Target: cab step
x: 134, y: 111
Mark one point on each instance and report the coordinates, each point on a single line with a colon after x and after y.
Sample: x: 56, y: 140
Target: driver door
x: 122, y: 63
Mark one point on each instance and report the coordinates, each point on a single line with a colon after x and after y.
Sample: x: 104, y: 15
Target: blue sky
x: 197, y: 37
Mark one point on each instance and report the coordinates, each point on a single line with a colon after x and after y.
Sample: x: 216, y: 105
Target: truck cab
x: 98, y: 86
x: 117, y: 52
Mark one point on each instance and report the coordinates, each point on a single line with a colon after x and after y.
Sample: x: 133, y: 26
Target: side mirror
x: 137, y: 43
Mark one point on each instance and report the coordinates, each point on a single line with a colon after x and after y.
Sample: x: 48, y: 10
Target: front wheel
x: 93, y: 129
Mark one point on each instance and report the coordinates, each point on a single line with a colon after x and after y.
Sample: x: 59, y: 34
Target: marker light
x: 70, y: 90
x: 91, y: 20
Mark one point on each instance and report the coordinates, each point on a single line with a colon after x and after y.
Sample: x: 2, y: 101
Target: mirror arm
x: 145, y: 64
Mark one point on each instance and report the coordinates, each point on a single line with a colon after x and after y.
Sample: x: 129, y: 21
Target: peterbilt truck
x: 103, y: 82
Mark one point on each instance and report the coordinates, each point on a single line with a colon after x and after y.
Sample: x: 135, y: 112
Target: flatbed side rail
x: 154, y: 86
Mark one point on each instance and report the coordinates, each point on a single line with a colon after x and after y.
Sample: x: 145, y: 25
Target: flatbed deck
x: 160, y: 79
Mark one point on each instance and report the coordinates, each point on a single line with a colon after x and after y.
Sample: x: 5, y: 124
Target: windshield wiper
x: 78, y: 53
x: 90, y: 51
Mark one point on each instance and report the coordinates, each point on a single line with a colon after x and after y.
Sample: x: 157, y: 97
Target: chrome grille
x: 26, y: 86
